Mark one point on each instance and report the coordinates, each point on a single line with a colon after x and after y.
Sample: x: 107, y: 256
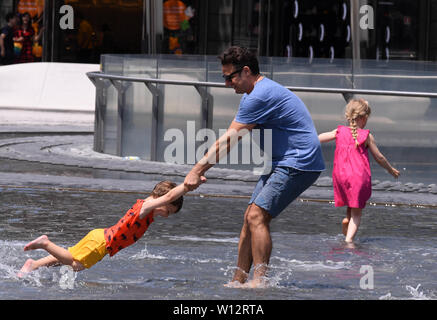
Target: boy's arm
x: 327, y: 136
x: 168, y: 198
x: 379, y: 157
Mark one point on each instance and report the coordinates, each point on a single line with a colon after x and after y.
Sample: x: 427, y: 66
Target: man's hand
x: 193, y: 180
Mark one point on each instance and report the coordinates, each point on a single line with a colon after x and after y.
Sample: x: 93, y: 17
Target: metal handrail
x: 121, y: 83
x: 343, y: 91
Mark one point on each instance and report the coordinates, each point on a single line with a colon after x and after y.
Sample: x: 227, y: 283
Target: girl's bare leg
x: 354, y: 223
x: 345, y: 222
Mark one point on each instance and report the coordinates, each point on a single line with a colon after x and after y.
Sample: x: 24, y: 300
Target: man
x: 297, y: 159
x: 6, y: 39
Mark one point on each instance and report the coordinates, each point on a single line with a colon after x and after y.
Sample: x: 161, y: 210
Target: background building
x: 403, y: 29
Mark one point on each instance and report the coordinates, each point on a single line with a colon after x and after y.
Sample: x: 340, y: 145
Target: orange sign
x: 33, y: 7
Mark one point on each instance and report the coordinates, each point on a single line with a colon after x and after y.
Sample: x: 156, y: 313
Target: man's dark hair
x: 9, y: 16
x: 240, y: 57
x: 164, y: 187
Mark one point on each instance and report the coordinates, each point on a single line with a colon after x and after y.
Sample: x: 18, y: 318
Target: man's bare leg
x: 259, y: 225
x: 245, y: 259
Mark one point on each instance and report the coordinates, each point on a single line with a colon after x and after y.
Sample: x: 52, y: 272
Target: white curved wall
x: 46, y: 94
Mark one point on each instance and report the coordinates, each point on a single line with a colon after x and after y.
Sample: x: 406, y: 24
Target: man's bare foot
x: 251, y: 284
x: 38, y: 243
x: 345, y: 225
x: 256, y: 283
x: 26, y: 268
x: 234, y: 284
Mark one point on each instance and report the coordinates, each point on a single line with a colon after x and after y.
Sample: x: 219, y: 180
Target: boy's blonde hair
x: 164, y: 187
x: 355, y: 109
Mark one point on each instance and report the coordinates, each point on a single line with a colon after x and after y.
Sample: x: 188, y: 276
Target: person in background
x: 176, y: 18
x: 85, y: 39
x: 25, y: 35
x: 7, y: 39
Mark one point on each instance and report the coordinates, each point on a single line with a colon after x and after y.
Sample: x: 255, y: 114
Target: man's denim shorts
x: 276, y: 190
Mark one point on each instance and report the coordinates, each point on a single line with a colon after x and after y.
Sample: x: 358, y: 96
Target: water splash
x: 315, y: 265
x: 416, y: 294
x: 273, y: 279
x: 144, y: 254
x: 202, y: 239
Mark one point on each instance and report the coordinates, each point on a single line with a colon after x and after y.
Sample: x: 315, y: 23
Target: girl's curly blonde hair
x: 355, y: 109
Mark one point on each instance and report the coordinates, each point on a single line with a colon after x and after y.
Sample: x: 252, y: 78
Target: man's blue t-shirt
x: 295, y: 142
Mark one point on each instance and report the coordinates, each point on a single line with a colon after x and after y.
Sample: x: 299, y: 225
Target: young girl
x: 351, y: 174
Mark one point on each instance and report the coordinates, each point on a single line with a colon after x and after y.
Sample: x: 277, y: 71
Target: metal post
x: 98, y: 117
x: 121, y: 88
x: 206, y: 121
x: 155, y: 119
x: 144, y: 29
x: 355, y: 35
x: 150, y: 11
x: 45, y: 35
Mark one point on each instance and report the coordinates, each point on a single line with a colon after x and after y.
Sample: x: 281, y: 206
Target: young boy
x: 165, y: 199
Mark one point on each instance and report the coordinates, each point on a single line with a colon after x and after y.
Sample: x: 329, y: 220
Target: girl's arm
x: 327, y: 136
x: 379, y: 157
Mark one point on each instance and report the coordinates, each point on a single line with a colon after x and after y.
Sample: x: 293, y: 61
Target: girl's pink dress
x: 351, y: 174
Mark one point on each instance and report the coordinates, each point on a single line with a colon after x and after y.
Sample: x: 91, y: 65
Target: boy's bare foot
x: 38, y: 243
x: 345, y: 225
x: 26, y: 268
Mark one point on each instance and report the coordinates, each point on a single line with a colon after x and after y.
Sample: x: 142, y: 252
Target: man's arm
x: 218, y: 150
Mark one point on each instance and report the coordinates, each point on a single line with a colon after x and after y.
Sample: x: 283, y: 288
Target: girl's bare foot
x: 38, y: 243
x: 345, y: 225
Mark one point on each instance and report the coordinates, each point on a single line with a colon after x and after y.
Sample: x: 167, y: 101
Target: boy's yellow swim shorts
x: 91, y: 249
